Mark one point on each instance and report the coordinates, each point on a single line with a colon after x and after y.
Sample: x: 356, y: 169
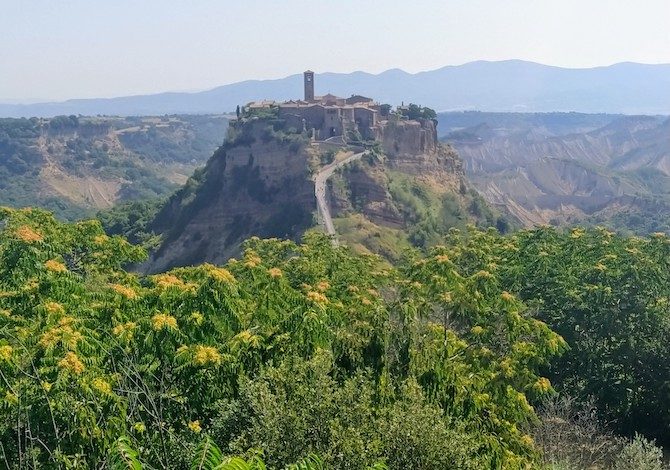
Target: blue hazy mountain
x: 512, y: 85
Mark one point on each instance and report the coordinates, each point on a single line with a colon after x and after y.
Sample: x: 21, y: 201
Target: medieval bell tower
x: 309, y: 85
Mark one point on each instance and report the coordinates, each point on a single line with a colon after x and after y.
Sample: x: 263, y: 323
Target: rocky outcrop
x: 255, y: 185
x: 410, y: 153
x: 260, y: 183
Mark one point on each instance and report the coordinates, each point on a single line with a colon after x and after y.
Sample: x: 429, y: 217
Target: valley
x: 571, y: 169
x: 76, y: 166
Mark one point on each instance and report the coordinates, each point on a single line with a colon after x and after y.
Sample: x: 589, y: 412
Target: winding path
x: 320, y: 180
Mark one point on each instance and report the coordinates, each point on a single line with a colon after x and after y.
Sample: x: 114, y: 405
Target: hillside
x: 617, y: 174
x: 511, y: 85
x: 77, y: 165
x: 406, y: 190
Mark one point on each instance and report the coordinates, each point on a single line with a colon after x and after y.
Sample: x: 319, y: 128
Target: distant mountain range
x: 513, y: 85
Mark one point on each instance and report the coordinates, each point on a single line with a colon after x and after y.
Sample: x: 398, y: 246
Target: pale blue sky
x: 59, y: 49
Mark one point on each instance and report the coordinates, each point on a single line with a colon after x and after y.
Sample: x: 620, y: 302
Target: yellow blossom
x: 317, y: 297
x: 6, y: 352
x: 165, y: 281
x: 600, y: 267
x: 275, y: 272
x: 477, y: 330
x: 71, y: 363
x: 506, y: 296
x: 161, y: 321
x: 205, y: 355
x: 124, y: 329
x: 64, y: 333
x: 11, y: 398
x: 542, y: 385
x: 527, y: 440
x: 55, y: 266
x: 251, y: 259
x: 139, y: 427
x: 248, y: 338
x: 195, y: 426
x: 197, y: 318
x: 220, y: 274
x: 442, y: 258
x: 46, y: 386
x: 484, y: 274
x: 366, y: 301
x: 28, y: 234
x: 100, y: 239
x: 323, y: 286
x: 446, y: 297
x: 102, y: 386
x: 54, y: 307
x: 126, y: 292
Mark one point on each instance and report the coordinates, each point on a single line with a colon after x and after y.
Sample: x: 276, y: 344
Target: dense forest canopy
x: 309, y: 353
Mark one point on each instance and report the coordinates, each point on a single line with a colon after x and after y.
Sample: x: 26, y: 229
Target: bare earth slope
x: 606, y: 175
x: 77, y: 165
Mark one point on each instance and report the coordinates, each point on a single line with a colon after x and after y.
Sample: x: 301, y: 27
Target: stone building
x: 328, y: 115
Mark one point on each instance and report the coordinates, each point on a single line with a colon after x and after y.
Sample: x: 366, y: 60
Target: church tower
x: 309, y: 85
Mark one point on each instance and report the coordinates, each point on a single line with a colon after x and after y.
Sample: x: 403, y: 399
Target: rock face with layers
x: 410, y: 149
x: 260, y: 183
x: 257, y: 185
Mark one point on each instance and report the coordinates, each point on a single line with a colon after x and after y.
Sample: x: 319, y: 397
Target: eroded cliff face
x: 576, y: 178
x: 257, y: 185
x: 410, y: 192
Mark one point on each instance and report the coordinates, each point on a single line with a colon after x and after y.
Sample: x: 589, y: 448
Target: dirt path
x: 320, y: 180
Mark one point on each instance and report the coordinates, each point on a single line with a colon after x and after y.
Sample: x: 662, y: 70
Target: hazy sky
x: 59, y: 49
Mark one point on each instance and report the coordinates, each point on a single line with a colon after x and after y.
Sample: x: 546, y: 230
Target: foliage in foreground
x: 292, y: 350
x: 608, y: 296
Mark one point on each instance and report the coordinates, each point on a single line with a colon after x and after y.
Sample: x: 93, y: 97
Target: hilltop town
x: 331, y: 117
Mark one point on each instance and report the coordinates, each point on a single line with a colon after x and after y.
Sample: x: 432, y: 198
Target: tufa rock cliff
x: 257, y: 183
x: 408, y: 189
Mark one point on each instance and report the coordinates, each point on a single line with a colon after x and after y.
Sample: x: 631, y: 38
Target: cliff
x: 409, y: 192
x: 257, y: 183
x: 408, y: 189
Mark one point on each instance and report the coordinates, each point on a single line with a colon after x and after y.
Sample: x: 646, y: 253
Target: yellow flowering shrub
x: 162, y: 321
x: 54, y: 307
x: 206, y: 355
x: 5, y: 352
x: 102, y: 386
x: 317, y: 297
x: 275, y: 273
x: 28, y: 234
x: 219, y: 274
x: 71, y: 363
x: 55, y: 266
x: 124, y: 291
